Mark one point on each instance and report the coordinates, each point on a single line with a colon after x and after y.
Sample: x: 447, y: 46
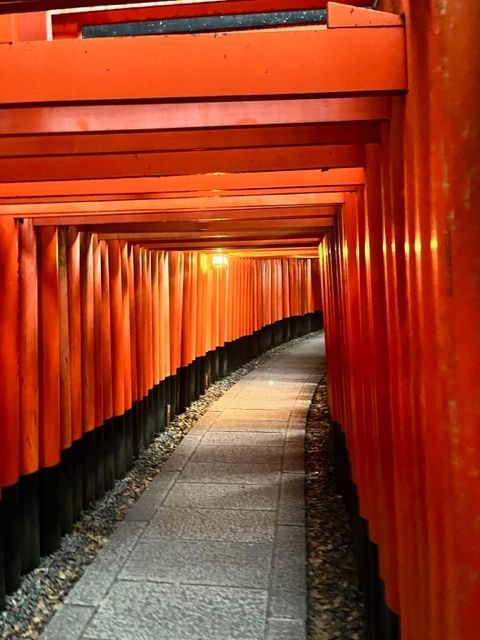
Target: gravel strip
x: 335, y: 604
x: 43, y: 590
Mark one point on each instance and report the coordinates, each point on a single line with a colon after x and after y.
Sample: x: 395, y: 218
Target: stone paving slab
x: 146, y: 506
x: 231, y: 473
x: 292, y: 491
x: 224, y: 496
x: 237, y: 453
x: 277, y: 403
x: 266, y: 426
x: 234, y: 564
x: 258, y: 439
x: 69, y: 622
x: 256, y: 415
x: 286, y: 629
x: 204, y: 423
x: 291, y: 516
x: 215, y: 547
x: 101, y: 574
x: 287, y: 604
x: 182, y: 453
x: 150, y: 611
x: 212, y: 524
x: 289, y: 563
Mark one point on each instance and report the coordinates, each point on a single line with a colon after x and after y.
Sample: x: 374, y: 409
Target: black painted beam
x: 207, y: 24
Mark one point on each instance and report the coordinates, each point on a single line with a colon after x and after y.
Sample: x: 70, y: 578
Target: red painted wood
x: 88, y: 331
x: 28, y: 348
x: 116, y: 324
x: 49, y: 347
x: 65, y: 372
x: 75, y: 331
x: 9, y: 388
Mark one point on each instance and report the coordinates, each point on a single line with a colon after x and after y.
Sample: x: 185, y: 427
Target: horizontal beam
x: 224, y: 236
x: 231, y: 242
x: 201, y: 206
x: 173, y: 195
x: 241, y: 137
x: 153, y: 231
x: 250, y: 251
x: 227, y: 248
x: 181, y: 163
x: 187, y: 184
x: 209, y: 24
x: 276, y: 252
x: 175, y: 10
x: 107, y: 223
x: 55, y: 119
x: 226, y: 245
x: 70, y: 24
x: 201, y: 66
x: 286, y: 253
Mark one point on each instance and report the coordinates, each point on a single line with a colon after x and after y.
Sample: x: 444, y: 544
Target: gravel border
x: 43, y: 590
x: 335, y: 603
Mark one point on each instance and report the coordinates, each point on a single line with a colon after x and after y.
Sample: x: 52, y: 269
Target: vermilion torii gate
x: 125, y: 161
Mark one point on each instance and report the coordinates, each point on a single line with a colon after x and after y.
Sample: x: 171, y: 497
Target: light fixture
x: 219, y: 260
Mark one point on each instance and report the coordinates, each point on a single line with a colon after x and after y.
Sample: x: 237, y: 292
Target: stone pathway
x: 215, y: 548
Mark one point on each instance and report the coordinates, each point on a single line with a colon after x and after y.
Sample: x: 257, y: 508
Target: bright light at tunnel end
x: 220, y: 260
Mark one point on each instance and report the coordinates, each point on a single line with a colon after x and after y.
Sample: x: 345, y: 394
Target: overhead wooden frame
x: 181, y: 163
x: 171, y: 116
x: 183, y: 186
x: 189, y: 9
x: 236, y: 64
x: 62, y: 144
x: 235, y: 144
x: 115, y: 219
x: 160, y: 206
x: 225, y: 243
x: 143, y: 223
x: 158, y: 230
x: 69, y: 25
x: 275, y: 252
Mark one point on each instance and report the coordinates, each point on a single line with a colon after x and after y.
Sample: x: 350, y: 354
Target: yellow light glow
x: 220, y: 260
x: 204, y: 263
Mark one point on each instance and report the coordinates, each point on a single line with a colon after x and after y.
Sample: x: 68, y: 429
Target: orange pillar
x: 10, y: 451
x: 164, y: 315
x: 28, y: 408
x: 118, y: 361
x: 49, y: 388
x: 65, y: 385
x: 127, y: 358
x: 108, y: 407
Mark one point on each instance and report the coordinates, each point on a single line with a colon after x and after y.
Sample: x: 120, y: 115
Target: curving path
x: 215, y: 548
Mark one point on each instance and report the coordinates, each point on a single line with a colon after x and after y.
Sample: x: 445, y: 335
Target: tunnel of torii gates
x: 164, y: 202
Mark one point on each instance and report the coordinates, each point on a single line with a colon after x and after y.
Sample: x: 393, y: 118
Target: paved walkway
x: 215, y: 548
